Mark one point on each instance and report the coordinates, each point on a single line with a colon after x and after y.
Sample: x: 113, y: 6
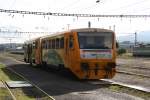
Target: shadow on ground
x: 55, y: 82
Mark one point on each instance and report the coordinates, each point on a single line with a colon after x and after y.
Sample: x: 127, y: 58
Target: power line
x: 67, y: 14
x: 9, y: 37
x: 70, y: 5
x: 129, y: 5
x: 23, y: 32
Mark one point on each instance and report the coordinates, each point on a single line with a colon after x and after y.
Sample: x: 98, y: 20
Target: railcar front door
x: 70, y: 51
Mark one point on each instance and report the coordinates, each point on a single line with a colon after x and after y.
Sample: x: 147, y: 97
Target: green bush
x: 121, y: 51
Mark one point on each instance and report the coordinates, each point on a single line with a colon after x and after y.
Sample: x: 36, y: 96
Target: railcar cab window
x: 95, y: 40
x: 71, y: 42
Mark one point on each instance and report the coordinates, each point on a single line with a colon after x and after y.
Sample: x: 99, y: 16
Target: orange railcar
x: 89, y: 53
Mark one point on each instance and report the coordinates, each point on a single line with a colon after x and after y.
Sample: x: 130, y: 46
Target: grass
x: 126, y: 56
x: 7, y: 75
x: 4, y: 94
x: 29, y: 94
x: 134, y: 92
x: 16, y: 56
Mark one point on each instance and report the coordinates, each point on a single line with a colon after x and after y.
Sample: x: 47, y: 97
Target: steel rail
x: 144, y: 68
x: 140, y: 88
x: 13, y: 97
x: 131, y: 73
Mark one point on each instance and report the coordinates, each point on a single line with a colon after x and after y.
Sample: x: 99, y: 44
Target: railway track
x: 49, y: 97
x: 135, y: 67
x: 134, y: 70
x: 111, y: 82
x: 139, y: 88
x: 12, y: 97
x: 105, y: 82
x: 144, y: 68
x: 132, y: 73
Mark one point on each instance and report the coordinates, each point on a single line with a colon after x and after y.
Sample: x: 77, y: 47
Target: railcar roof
x: 91, y: 30
x: 72, y: 30
x: 30, y: 41
x: 79, y: 30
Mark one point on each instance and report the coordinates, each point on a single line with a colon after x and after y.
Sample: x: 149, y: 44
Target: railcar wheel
x: 60, y: 67
x: 25, y: 60
x: 31, y: 63
x: 44, y: 65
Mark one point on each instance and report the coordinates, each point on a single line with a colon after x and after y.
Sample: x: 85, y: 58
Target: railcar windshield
x: 95, y: 40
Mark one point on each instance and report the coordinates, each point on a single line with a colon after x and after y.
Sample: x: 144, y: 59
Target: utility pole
x: 68, y: 26
x: 89, y: 24
x: 110, y: 27
x: 10, y: 43
x: 135, y: 41
x: 114, y: 28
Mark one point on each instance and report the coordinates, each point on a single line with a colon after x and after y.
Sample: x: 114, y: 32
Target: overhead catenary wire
x: 71, y: 4
x: 92, y: 6
x: 22, y: 32
x: 129, y: 5
x: 68, y: 14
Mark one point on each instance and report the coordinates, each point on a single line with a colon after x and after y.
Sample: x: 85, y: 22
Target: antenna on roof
x: 97, y: 1
x: 89, y: 24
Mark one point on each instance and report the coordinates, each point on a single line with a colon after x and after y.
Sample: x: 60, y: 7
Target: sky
x: 124, y: 27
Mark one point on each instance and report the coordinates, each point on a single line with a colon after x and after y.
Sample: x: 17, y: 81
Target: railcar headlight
x: 82, y: 55
x: 111, y: 65
x: 84, y: 66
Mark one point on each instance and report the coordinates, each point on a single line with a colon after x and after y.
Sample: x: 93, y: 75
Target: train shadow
x: 56, y: 82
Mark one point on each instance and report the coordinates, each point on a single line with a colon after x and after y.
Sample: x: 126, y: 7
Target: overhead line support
x: 67, y: 14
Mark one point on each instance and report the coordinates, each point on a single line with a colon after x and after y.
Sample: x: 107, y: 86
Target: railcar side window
x: 36, y: 44
x: 71, y: 42
x: 53, y: 43
x: 33, y: 45
x: 62, y: 42
x: 57, y: 43
x: 43, y: 44
x: 49, y: 44
x: 66, y: 44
